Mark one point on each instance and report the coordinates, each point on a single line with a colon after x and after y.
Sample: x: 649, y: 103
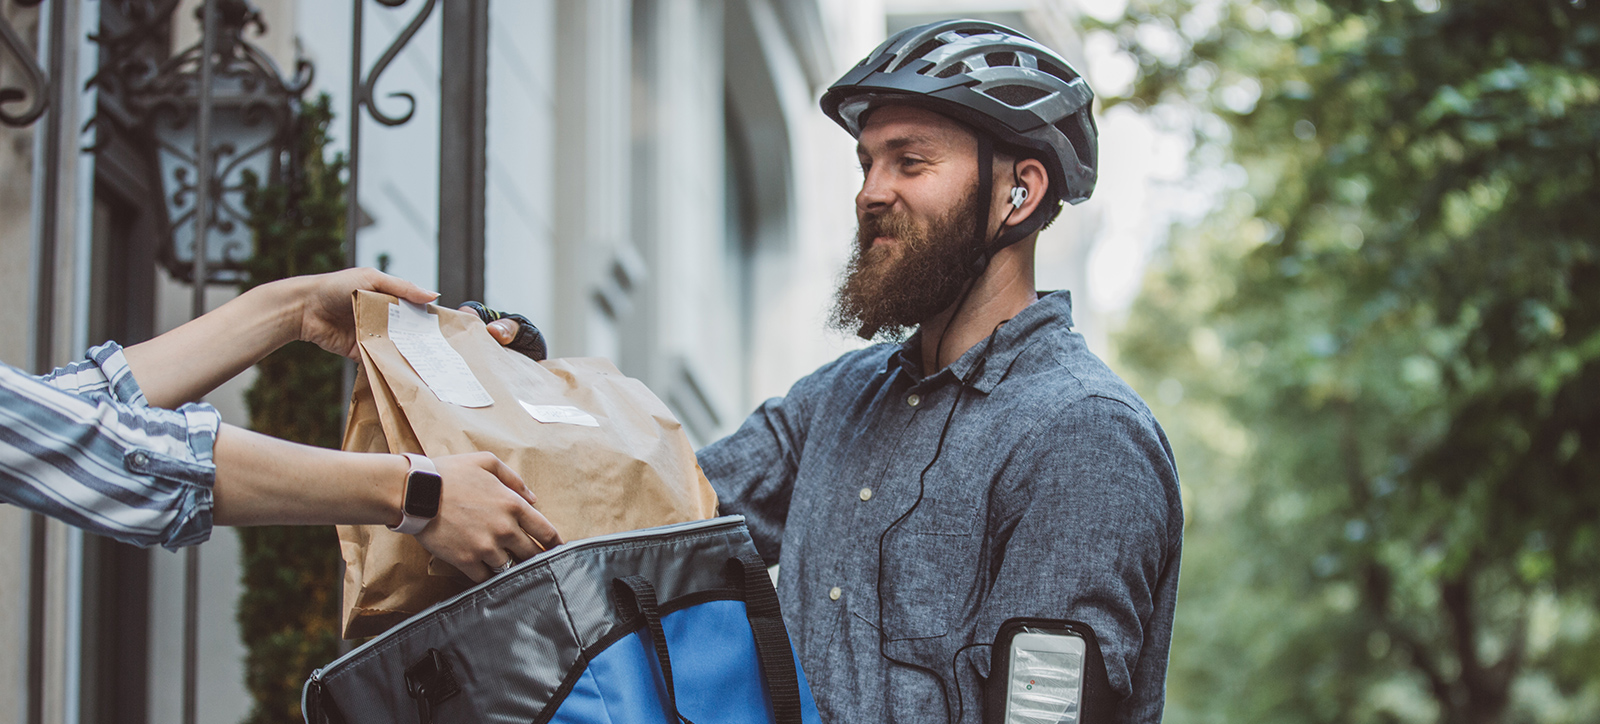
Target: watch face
x: 422, y: 494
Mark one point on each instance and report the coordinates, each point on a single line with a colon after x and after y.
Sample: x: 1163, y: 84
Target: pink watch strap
x: 410, y: 524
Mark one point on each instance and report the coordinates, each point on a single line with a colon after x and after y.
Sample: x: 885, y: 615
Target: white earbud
x: 1019, y: 194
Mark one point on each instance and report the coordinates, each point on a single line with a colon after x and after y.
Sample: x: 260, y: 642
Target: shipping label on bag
x: 601, y: 453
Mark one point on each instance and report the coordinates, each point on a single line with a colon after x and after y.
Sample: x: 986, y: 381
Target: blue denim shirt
x: 1056, y: 496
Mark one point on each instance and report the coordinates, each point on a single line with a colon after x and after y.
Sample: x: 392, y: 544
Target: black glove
x: 529, y: 341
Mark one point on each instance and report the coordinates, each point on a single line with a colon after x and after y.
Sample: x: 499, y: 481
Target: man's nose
x: 876, y: 195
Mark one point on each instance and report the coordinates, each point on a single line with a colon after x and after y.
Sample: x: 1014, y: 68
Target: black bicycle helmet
x: 994, y: 79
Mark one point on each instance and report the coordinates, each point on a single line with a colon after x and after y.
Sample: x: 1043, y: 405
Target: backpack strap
x: 749, y: 573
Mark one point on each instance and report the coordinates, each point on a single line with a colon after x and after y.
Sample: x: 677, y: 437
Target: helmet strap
x: 1004, y: 236
x: 986, y: 199
x: 983, y: 248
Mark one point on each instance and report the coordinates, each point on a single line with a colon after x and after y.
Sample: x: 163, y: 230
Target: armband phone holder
x: 1046, y: 670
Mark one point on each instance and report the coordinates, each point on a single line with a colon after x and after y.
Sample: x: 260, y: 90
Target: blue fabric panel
x: 620, y: 686
x: 714, y: 666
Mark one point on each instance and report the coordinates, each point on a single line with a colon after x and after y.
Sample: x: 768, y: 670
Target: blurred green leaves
x: 1388, y: 351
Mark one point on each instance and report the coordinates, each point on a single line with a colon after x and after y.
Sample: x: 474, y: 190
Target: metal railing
x: 463, y: 163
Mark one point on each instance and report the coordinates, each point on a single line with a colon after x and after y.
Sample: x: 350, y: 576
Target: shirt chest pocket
x: 942, y: 516
x: 929, y: 564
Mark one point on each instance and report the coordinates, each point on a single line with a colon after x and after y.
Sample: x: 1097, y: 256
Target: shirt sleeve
x: 82, y: 445
x: 753, y: 470
x: 1094, y: 535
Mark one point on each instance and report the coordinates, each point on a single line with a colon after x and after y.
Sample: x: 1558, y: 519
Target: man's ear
x: 1031, y: 177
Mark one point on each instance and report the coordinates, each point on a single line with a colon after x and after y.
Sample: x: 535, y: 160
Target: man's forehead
x: 896, y: 125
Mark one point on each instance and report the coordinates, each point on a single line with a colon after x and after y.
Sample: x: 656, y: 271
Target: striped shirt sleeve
x: 82, y: 445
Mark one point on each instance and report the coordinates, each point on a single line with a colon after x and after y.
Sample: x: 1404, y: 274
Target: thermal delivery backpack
x: 678, y: 623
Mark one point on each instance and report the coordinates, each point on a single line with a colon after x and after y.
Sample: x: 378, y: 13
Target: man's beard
x: 889, y: 289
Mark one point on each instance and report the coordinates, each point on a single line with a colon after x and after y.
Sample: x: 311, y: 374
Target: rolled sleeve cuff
x: 187, y: 467
x: 120, y: 384
x: 103, y: 371
x: 192, y: 524
x: 189, y: 463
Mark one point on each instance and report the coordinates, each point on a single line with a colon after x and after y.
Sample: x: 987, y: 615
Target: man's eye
x: 910, y: 162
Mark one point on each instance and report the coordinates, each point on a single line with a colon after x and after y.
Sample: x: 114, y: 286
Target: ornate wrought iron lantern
x: 249, y: 126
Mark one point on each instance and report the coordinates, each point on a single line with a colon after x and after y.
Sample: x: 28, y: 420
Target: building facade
x: 660, y: 190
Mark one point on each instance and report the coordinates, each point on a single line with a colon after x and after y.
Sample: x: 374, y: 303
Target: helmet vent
x: 922, y: 50
x: 998, y: 59
x: 1057, y: 71
x: 1078, y: 136
x: 1016, y: 96
x: 951, y: 70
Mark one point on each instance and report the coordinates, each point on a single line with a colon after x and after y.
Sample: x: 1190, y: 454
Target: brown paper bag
x: 635, y: 470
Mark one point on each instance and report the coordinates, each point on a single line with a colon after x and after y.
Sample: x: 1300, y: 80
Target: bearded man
x: 918, y: 495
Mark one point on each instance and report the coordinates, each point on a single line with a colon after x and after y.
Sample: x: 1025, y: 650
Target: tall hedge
x: 289, y: 613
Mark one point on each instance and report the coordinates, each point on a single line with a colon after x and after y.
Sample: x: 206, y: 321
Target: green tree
x: 1388, y: 350
x: 289, y: 613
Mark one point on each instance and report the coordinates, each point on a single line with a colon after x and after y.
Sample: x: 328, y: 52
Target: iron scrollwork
x: 362, y: 90
x: 365, y: 90
x: 36, y: 83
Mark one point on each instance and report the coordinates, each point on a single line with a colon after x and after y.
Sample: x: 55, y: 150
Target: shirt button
x: 140, y: 458
x: 914, y: 400
x: 835, y: 593
x: 866, y: 494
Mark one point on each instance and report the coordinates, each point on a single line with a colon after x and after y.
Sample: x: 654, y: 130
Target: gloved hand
x: 513, y: 331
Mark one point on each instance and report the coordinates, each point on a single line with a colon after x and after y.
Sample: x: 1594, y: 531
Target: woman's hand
x: 486, y: 514
x: 486, y: 517
x: 326, y: 317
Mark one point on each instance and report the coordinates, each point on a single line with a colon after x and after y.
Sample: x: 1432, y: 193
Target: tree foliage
x: 1387, y: 343
x: 289, y: 612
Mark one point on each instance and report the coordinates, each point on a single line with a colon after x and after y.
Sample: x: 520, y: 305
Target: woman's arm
x: 147, y: 474
x: 186, y: 363
x: 486, y: 512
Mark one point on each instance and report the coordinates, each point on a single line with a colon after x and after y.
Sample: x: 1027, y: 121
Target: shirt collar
x: 1052, y: 309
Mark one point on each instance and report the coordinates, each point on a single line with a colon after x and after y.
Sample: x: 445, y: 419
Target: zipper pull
x: 311, y: 699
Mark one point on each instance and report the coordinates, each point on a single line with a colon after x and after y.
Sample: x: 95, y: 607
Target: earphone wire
x: 961, y: 703
x: 922, y: 478
x: 984, y: 255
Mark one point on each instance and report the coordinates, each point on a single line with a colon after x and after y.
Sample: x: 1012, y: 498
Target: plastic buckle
x: 431, y: 683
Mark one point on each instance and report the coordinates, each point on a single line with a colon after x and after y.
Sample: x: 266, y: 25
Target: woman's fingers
x: 476, y: 570
x: 510, y: 479
x: 486, y: 517
x: 327, y: 320
x: 539, y: 528
x: 520, y: 547
x: 378, y: 281
x: 530, y: 522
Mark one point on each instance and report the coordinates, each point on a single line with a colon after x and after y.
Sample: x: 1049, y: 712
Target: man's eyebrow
x: 899, y: 143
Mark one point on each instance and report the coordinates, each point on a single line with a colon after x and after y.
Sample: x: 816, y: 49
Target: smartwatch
x: 421, y: 504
